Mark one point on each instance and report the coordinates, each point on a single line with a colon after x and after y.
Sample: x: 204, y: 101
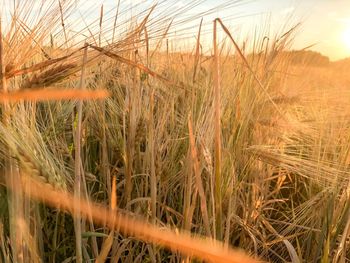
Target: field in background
x: 248, y: 148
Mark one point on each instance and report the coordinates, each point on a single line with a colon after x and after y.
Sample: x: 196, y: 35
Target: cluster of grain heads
x: 49, y: 76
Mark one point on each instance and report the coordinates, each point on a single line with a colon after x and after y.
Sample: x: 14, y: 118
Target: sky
x: 325, y: 23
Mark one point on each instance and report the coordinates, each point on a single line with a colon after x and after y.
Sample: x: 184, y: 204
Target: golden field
x: 118, y: 147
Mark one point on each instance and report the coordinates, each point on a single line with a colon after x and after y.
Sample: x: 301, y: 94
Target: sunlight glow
x: 346, y: 38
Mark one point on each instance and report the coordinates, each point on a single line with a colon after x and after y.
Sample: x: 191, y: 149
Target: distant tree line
x: 298, y: 57
x: 343, y: 64
x: 307, y: 57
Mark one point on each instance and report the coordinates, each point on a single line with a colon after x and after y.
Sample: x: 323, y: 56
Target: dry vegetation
x: 117, y: 147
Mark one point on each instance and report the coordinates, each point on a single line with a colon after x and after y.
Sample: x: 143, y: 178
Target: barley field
x: 153, y: 133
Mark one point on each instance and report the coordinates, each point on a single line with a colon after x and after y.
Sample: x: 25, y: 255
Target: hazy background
x: 325, y: 23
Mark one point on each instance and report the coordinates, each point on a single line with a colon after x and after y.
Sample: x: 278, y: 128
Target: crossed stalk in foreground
x: 205, y: 249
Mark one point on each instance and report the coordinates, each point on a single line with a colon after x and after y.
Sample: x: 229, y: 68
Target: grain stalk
x: 217, y: 124
x: 115, y: 21
x: 151, y: 145
x: 101, y: 20
x: 159, y: 43
x: 62, y: 22
x: 187, y: 211
x: 199, y: 183
x: 167, y: 53
x: 77, y: 167
x: 230, y: 209
x: 105, y: 160
x: 197, y: 55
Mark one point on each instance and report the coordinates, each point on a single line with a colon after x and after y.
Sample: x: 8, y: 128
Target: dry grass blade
x: 197, y: 247
x: 49, y: 94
